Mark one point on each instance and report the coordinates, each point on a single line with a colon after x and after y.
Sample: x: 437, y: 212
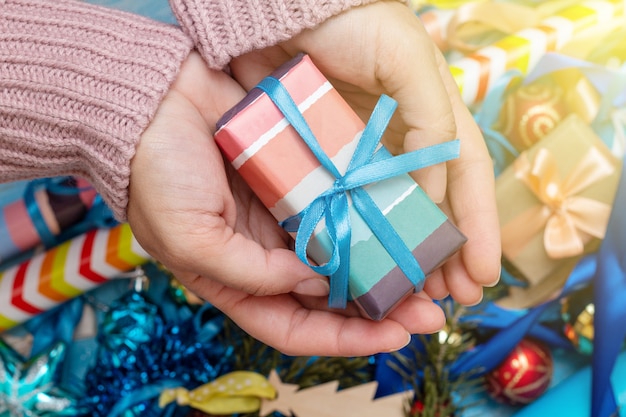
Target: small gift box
x: 289, y: 177
x: 479, y: 72
x: 554, y: 203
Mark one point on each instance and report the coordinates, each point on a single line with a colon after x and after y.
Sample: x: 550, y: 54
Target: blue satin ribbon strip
x: 610, y: 306
x: 45, y: 235
x: 333, y: 204
x: 99, y: 215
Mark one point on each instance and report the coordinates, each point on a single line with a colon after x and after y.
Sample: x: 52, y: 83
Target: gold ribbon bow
x: 570, y: 220
x: 233, y: 393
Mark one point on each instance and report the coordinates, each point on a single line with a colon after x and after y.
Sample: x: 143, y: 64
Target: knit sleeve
x: 78, y: 85
x: 224, y: 29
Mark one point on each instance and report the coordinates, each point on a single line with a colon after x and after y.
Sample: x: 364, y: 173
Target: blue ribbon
x: 610, y: 306
x: 47, y: 237
x: 333, y: 204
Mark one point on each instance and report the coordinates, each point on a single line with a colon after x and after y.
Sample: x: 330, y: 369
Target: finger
x: 463, y: 288
x: 238, y: 262
x: 471, y: 193
x: 295, y: 330
x: 435, y: 285
x: 419, y: 314
x: 251, y: 68
x: 409, y: 73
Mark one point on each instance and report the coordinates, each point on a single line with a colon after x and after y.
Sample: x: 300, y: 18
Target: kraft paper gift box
x: 554, y: 203
x: 281, y: 169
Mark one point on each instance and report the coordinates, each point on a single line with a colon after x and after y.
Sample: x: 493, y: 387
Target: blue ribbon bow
x: 366, y: 166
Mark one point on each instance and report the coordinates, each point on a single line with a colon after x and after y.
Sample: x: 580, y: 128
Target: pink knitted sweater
x: 80, y: 83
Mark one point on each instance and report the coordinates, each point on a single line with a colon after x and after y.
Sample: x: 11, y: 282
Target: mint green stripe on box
x: 414, y: 218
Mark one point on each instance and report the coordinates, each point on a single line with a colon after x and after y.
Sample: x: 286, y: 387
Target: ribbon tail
x: 373, y: 131
x: 340, y: 228
x: 389, y: 238
x: 493, y: 352
x: 610, y: 310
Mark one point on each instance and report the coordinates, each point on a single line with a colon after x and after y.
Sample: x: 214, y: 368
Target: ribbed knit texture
x: 225, y: 29
x: 78, y: 86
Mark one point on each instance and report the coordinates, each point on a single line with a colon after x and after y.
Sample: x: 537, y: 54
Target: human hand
x: 383, y: 48
x: 198, y: 217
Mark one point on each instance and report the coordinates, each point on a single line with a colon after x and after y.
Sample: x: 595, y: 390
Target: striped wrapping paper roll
x: 476, y: 73
x: 436, y: 23
x: 65, y: 271
x: 285, y: 174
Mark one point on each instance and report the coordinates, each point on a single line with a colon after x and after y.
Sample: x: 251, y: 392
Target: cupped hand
x: 195, y: 215
x: 383, y: 48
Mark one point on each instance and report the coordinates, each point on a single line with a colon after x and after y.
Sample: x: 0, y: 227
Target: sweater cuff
x: 79, y: 85
x: 224, y: 29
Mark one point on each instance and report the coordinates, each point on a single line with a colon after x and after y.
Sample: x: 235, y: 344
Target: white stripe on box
x: 314, y: 183
x: 400, y: 199
x: 266, y: 137
x: 538, y: 45
x: 564, y: 29
x: 498, y: 59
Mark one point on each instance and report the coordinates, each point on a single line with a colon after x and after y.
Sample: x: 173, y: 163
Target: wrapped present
x: 288, y: 177
x: 475, y: 24
x: 531, y: 110
x: 476, y: 73
x: 65, y: 271
x: 42, y: 212
x: 554, y: 203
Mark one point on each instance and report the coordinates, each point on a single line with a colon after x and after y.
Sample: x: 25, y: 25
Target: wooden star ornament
x: 325, y: 400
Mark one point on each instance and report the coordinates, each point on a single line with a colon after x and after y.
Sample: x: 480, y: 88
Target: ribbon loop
x: 367, y: 165
x: 569, y: 220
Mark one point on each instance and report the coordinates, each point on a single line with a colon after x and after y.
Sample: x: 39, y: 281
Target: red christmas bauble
x: 418, y: 408
x: 523, y: 376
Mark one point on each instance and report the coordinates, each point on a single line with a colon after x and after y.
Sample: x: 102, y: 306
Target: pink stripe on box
x: 333, y: 123
x: 20, y: 226
x: 262, y: 115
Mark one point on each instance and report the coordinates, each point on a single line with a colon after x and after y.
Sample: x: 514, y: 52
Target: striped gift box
x: 476, y: 73
x: 66, y: 271
x: 269, y: 154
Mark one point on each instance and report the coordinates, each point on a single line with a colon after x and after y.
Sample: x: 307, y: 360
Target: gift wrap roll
x: 554, y: 203
x: 476, y: 73
x: 65, y: 271
x: 278, y: 165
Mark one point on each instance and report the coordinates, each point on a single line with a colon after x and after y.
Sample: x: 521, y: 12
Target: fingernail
x: 315, y: 286
x: 408, y: 340
x: 494, y: 283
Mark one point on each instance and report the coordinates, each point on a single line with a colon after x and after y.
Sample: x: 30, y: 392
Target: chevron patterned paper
x: 476, y: 73
x: 65, y: 271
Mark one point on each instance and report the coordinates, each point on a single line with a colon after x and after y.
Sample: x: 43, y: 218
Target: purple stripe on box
x: 394, y: 287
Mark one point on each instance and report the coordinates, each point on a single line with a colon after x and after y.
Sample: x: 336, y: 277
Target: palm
x: 202, y: 221
x: 354, y: 52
